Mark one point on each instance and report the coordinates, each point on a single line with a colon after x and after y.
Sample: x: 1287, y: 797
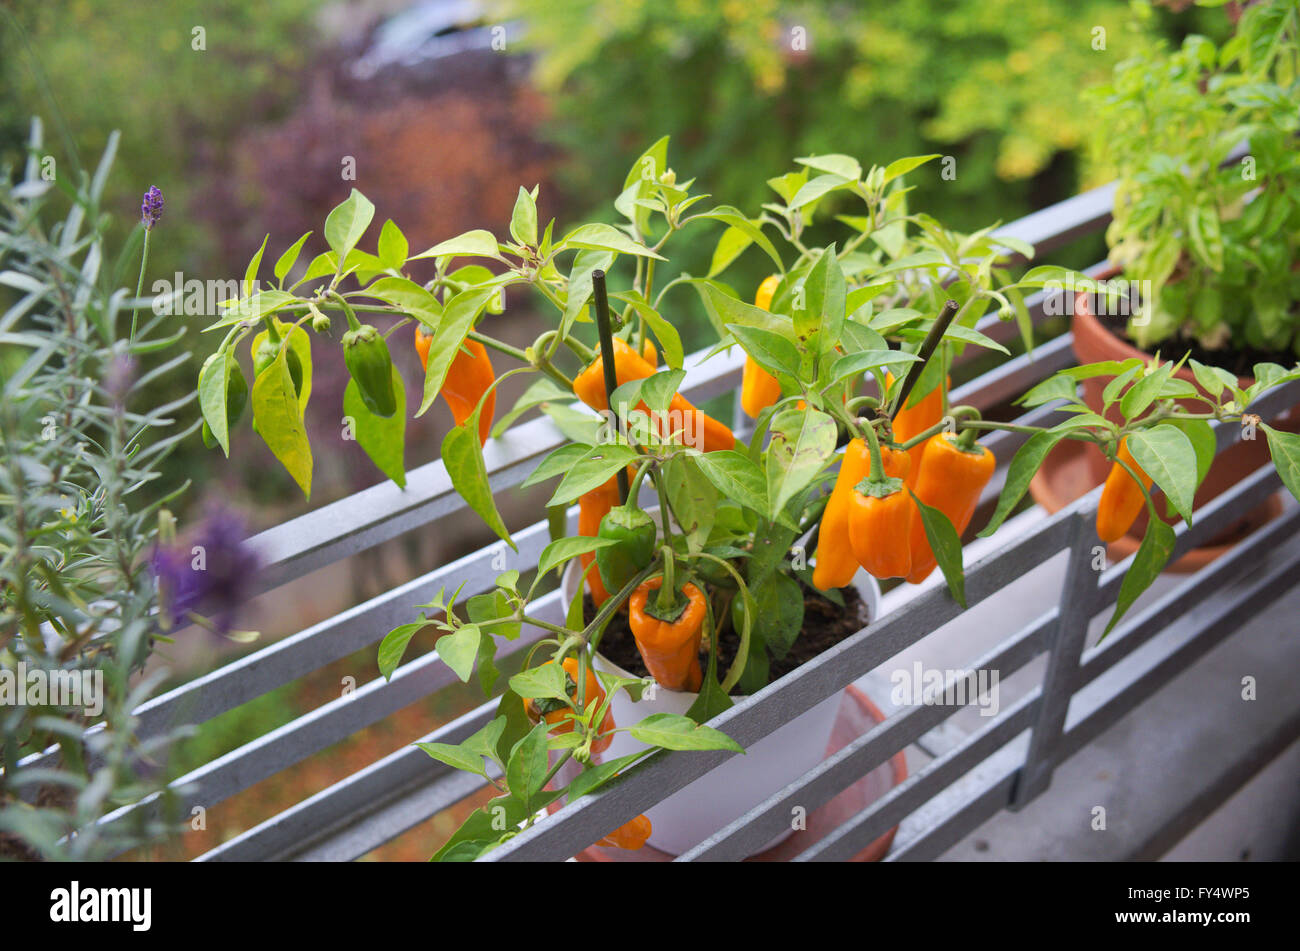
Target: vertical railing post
x: 1078, y: 603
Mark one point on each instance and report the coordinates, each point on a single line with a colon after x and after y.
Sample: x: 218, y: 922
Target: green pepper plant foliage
x: 895, y: 293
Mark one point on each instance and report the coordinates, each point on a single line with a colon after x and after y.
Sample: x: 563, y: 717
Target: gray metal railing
x: 397, y: 792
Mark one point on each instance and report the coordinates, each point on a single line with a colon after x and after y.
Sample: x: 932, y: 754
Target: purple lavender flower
x: 151, y: 207
x: 211, y: 575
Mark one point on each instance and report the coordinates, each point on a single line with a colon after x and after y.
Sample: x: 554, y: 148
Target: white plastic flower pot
x: 692, y: 814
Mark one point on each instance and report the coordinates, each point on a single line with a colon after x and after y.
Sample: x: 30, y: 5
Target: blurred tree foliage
x: 743, y: 85
x: 176, y: 78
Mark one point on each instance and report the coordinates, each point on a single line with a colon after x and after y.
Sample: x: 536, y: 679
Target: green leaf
x: 483, y: 609
x: 541, y: 390
x: 672, y: 732
x: 818, y: 188
x: 736, y: 476
x: 562, y: 550
x: 670, y: 341
x: 1151, y: 558
x: 902, y: 166
x: 802, y: 442
x: 946, y: 545
x: 1024, y: 464
x: 593, y: 777
x: 658, y: 390
x: 411, y: 298
x: 477, y: 244
x: 382, y: 438
x: 744, y: 226
x: 1200, y: 434
x: 523, y: 220
x: 290, y: 257
x: 526, y: 769
x: 459, y: 649
x: 817, y: 325
x: 1055, y: 387
x: 349, y: 220
x: 730, y: 246
x: 1166, y: 455
x: 250, y: 273
x: 278, y: 415
x: 393, y: 247
x: 692, y: 498
x: 462, y: 455
x: 457, y: 321
x: 856, y: 364
x: 772, y: 351
x: 845, y: 166
x: 1211, y: 379
x: 1284, y: 447
x: 260, y: 305
x: 393, y: 646
x: 602, y: 237
x: 557, y: 463
x: 213, y: 382
x: 547, y: 681
x: 592, y: 470
x: 579, y: 291
x: 456, y: 757
x: 778, y: 601
x: 1143, y: 393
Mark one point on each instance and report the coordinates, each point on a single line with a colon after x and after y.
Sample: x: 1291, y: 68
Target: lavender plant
x: 79, y: 516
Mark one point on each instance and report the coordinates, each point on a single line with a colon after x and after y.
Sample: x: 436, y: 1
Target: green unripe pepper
x: 634, y: 532
x: 266, y: 353
x: 236, y: 399
x: 366, y: 354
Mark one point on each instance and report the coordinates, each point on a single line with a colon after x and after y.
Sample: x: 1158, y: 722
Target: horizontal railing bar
x: 1056, y: 225
x: 217, y: 780
x: 851, y: 837
x: 758, y: 715
x: 845, y: 767
x: 405, y: 773
x: 1217, y: 514
x: 1189, y: 593
x: 995, y: 792
x: 1013, y: 377
x: 334, y: 638
x: 940, y: 828
x: 1209, y: 626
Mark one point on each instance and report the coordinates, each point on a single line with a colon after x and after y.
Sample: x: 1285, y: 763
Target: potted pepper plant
x: 689, y: 579
x: 1205, y: 231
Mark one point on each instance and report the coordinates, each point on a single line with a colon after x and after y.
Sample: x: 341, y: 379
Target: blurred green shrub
x: 176, y: 78
x: 742, y: 85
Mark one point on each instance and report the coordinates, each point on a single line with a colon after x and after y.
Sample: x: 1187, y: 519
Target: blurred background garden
x: 252, y: 116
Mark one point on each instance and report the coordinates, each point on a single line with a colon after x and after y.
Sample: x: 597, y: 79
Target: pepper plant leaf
x: 946, y: 545
x: 383, y: 438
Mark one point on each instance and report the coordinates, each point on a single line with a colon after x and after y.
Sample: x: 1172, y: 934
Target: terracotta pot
x: 1094, y: 342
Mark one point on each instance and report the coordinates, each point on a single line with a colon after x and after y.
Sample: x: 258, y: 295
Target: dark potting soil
x: 1237, y: 361
x: 825, y: 624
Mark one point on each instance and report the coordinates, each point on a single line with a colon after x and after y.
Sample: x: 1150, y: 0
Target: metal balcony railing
x: 395, y: 793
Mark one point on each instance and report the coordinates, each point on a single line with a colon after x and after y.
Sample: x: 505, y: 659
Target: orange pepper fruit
x: 670, y: 649
x: 468, y: 378
x: 909, y: 421
x: 1122, y: 499
x: 758, y: 388
x: 836, y: 564
x: 879, y: 530
x: 951, y: 481
x: 589, y: 386
x: 631, y: 835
